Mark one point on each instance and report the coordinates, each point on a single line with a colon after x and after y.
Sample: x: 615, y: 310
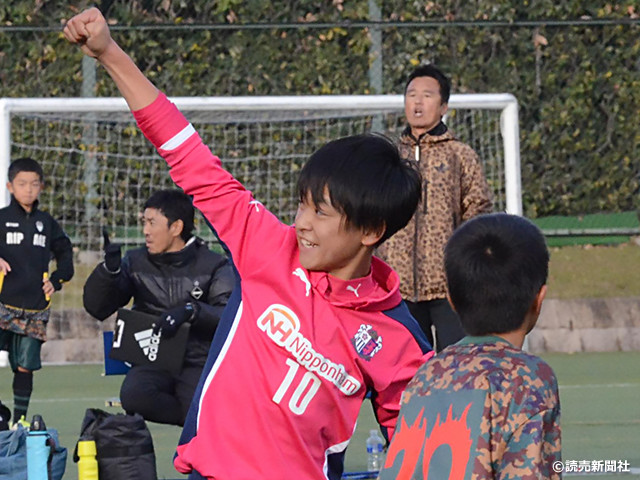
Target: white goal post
x: 99, y: 169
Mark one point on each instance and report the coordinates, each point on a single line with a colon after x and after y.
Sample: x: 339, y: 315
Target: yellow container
x: 87, y: 465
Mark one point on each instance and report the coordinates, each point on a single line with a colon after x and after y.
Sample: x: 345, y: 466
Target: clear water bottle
x: 375, y: 445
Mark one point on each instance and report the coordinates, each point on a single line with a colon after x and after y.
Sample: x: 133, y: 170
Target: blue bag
x: 13, y: 454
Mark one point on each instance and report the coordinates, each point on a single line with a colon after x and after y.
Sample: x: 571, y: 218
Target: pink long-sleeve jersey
x: 296, y: 351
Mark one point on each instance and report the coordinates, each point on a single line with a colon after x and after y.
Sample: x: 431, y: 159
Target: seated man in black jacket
x: 176, y: 277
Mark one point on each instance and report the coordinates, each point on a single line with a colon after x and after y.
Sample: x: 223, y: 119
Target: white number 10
x: 309, y: 383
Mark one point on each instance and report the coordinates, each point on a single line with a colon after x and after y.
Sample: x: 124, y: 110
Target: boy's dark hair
x: 175, y: 205
x: 367, y: 180
x: 433, y: 72
x: 25, y: 164
x: 495, y: 265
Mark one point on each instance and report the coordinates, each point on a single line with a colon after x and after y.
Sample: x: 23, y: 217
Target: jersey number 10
x: 303, y: 393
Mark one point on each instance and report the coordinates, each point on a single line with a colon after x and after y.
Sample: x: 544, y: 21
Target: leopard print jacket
x: 454, y: 189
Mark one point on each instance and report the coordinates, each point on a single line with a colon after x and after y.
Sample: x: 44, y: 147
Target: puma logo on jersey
x: 149, y: 343
x: 12, y: 224
x: 299, y: 272
x: 354, y: 290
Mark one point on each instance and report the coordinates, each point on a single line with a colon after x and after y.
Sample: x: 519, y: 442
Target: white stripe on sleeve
x: 179, y: 138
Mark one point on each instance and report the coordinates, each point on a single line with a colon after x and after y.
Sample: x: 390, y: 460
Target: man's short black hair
x: 495, y: 266
x: 367, y: 180
x: 25, y: 164
x: 175, y: 205
x: 432, y: 71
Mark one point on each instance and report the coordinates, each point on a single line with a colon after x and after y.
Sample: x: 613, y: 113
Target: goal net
x: 99, y: 169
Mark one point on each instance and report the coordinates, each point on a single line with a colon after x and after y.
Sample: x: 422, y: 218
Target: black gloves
x: 170, y: 320
x: 112, y: 253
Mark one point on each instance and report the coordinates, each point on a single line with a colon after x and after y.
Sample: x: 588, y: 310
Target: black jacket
x: 166, y: 280
x: 27, y: 242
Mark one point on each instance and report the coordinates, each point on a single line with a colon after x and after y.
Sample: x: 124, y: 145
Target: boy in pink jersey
x: 315, y: 323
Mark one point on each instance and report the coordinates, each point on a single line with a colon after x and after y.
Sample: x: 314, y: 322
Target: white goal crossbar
x: 505, y: 103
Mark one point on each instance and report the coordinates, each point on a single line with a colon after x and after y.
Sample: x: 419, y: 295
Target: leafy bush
x: 578, y: 85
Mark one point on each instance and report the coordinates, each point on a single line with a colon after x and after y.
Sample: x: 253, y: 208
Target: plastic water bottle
x: 37, y: 450
x: 87, y: 465
x: 375, y: 445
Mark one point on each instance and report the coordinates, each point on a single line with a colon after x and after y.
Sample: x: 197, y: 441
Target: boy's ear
x: 535, y: 308
x: 537, y: 302
x: 371, y: 237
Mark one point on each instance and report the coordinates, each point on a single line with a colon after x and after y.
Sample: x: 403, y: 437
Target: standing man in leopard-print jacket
x: 454, y: 189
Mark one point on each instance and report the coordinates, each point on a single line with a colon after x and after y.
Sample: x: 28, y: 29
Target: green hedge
x: 578, y: 85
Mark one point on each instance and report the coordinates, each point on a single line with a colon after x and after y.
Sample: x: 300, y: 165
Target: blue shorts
x: 23, y: 351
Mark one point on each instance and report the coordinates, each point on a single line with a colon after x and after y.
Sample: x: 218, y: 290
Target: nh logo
x: 279, y: 322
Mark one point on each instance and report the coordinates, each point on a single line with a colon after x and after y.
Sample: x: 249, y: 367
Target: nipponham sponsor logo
x: 282, y: 326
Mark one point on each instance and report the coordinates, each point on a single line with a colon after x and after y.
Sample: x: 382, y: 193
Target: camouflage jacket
x: 494, y: 406
x: 454, y: 189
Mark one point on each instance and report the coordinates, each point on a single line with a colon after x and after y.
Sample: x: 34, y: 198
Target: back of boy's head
x: 367, y: 180
x: 434, y: 72
x: 175, y: 205
x: 25, y: 164
x: 495, y: 265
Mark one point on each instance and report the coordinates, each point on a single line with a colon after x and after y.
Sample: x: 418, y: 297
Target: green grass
x: 599, y: 396
x: 595, y: 271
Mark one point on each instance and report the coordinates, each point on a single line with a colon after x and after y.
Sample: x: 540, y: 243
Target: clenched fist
x: 89, y: 29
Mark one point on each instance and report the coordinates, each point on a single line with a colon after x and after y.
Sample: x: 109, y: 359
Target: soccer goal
x: 99, y: 169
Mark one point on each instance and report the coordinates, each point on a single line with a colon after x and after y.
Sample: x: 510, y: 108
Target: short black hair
x: 432, y: 71
x: 368, y: 181
x: 175, y: 205
x: 24, y: 164
x: 495, y: 266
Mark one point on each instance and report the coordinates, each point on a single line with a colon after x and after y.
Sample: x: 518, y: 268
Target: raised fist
x: 89, y: 29
x: 112, y: 253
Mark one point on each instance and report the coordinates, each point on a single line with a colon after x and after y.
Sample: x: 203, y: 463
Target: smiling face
x: 159, y: 236
x: 25, y: 188
x: 328, y: 244
x: 423, y: 105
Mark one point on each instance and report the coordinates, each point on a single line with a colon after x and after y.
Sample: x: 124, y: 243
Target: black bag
x: 123, y: 443
x: 134, y: 342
